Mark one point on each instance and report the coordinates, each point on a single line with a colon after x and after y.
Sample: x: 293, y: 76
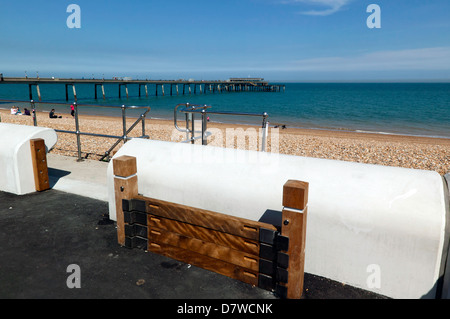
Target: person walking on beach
x: 72, y: 110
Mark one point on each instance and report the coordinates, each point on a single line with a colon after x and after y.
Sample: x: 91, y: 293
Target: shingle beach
x: 392, y: 150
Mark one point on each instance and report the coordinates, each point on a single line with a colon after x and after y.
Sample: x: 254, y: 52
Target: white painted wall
x: 16, y: 170
x: 363, y: 220
x: 446, y: 282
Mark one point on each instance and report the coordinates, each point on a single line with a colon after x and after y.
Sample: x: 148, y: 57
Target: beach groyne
x: 381, y: 229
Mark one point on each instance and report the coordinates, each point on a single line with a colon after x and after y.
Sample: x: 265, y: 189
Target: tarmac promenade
x: 45, y: 233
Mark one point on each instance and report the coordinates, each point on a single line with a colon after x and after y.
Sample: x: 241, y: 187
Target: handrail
x: 77, y: 131
x: 190, y: 110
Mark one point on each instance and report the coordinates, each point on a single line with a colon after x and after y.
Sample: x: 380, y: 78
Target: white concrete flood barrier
x: 16, y: 169
x: 379, y: 228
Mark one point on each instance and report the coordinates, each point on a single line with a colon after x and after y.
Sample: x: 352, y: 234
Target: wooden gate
x: 256, y: 253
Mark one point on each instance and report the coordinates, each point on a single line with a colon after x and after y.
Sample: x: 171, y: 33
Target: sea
x: 416, y: 109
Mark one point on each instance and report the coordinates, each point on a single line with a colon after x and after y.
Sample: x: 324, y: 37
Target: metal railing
x: 77, y: 131
x: 190, y: 111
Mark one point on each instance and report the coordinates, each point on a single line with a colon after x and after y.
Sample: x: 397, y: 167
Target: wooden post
x: 103, y: 92
x: 295, y: 200
x: 146, y: 91
x: 125, y: 187
x: 39, y: 162
x: 95, y: 91
x: 126, y: 90
x: 162, y: 89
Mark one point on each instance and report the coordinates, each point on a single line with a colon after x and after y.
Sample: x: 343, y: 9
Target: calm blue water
x: 400, y: 108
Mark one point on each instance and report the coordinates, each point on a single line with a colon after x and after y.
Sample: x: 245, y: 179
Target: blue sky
x: 280, y: 40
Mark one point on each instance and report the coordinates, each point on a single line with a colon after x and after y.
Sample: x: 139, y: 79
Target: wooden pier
x: 160, y: 87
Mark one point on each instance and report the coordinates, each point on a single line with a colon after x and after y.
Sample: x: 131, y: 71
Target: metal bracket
x: 135, y: 218
x: 136, y: 230
x: 136, y: 242
x: 134, y: 205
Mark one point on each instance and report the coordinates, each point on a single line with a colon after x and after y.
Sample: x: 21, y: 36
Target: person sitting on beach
x: 26, y: 112
x: 52, y: 115
x: 19, y: 112
x: 13, y: 110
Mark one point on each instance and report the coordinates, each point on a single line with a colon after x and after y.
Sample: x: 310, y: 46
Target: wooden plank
x: 294, y: 227
x: 39, y: 162
x: 205, y: 262
x: 205, y: 234
x: 204, y: 218
x: 232, y: 256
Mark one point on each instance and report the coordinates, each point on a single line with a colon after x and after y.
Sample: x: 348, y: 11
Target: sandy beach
x: 392, y: 150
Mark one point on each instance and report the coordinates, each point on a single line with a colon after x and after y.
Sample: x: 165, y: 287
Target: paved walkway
x: 86, y: 178
x: 42, y: 234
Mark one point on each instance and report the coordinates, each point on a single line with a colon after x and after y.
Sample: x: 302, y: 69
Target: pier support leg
x: 146, y: 91
x: 126, y: 90
x: 67, y: 92
x: 74, y: 92
x: 177, y: 88
x: 38, y: 92
x: 95, y: 91
x: 103, y: 92
x: 162, y: 88
x: 156, y: 90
